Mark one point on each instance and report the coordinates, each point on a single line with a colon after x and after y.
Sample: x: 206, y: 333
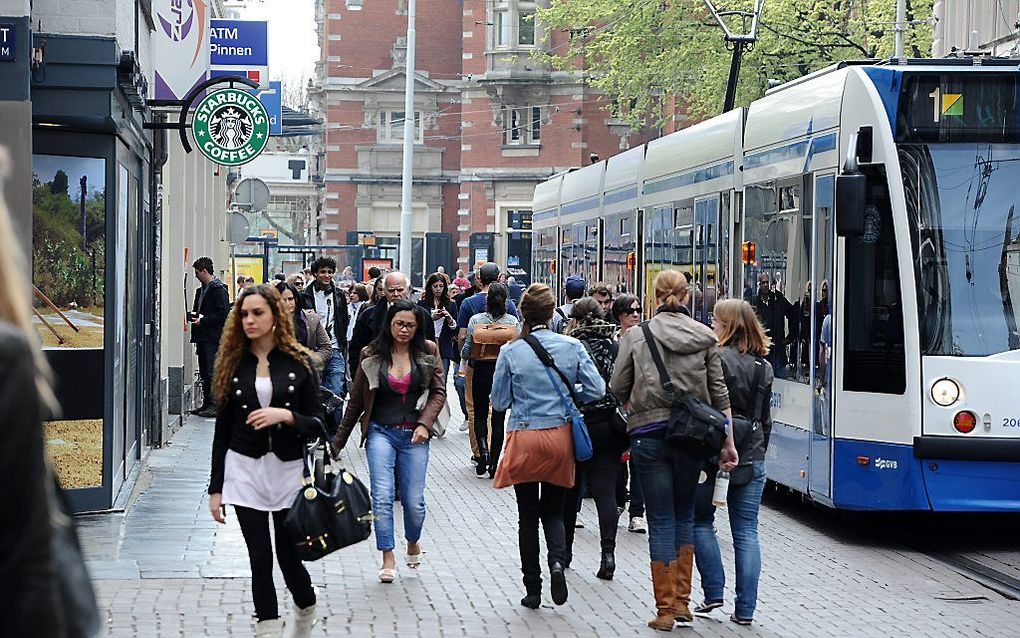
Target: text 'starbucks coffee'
x: 231, y: 127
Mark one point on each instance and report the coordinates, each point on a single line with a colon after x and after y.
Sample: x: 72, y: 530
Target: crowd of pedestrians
x: 528, y: 373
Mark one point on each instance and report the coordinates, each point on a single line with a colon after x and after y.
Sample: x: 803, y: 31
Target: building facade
x: 110, y: 215
x: 490, y: 123
x: 995, y: 24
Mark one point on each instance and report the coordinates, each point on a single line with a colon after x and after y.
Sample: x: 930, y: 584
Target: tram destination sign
x: 958, y: 107
x: 231, y: 127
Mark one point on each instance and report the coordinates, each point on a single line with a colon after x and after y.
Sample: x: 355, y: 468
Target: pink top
x: 400, y: 385
x: 462, y: 283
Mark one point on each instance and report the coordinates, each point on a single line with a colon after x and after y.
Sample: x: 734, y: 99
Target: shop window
x: 392, y: 124
x: 69, y: 273
x: 522, y: 126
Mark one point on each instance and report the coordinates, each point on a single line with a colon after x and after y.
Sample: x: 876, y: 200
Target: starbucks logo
x: 231, y: 127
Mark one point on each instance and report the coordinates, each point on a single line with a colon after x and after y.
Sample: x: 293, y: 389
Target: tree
x: 59, y: 184
x: 642, y: 53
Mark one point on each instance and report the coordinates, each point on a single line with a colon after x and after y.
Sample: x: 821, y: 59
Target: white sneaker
x: 637, y: 525
x: 463, y: 426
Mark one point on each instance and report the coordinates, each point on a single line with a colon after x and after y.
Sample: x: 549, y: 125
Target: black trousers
x: 539, y: 501
x: 255, y: 529
x: 481, y: 389
x: 206, y: 361
x: 601, y: 471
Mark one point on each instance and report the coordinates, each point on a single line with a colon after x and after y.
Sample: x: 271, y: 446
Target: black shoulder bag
x: 694, y: 426
x: 332, y: 510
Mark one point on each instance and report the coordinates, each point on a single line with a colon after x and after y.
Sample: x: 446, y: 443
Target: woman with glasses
x: 627, y: 314
x: 398, y: 393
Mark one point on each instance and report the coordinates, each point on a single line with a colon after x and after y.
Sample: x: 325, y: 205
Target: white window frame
x: 501, y: 27
x: 526, y: 122
x: 385, y: 133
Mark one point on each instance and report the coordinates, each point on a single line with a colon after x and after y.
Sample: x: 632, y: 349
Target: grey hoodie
x: 689, y: 351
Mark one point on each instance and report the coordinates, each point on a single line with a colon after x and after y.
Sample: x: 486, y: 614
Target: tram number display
x: 957, y: 107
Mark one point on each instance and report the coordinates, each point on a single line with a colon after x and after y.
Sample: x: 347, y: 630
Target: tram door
x: 822, y: 324
x: 705, y: 257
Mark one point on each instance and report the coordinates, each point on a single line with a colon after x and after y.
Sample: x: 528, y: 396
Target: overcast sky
x: 293, y: 48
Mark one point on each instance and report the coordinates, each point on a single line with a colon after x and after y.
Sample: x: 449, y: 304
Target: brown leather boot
x: 684, y: 565
x: 664, y: 585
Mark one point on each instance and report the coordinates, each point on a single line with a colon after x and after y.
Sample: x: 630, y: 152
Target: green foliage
x: 62, y: 268
x: 641, y: 51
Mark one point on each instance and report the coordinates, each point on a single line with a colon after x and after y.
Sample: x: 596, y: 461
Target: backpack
x: 488, y: 338
x: 563, y: 319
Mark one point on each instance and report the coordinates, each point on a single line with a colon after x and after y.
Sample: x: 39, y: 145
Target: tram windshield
x: 962, y: 202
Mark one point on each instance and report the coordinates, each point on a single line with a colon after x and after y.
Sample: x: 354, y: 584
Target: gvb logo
x: 885, y: 464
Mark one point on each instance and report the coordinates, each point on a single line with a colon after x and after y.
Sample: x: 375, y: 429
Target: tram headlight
x: 946, y: 392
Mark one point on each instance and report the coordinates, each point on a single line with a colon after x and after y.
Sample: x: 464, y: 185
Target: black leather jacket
x: 294, y: 388
x: 739, y: 370
x: 214, y: 309
x: 28, y: 581
x: 341, y: 320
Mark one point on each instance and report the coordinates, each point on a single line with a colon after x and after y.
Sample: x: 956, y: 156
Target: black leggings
x: 255, y: 529
x: 481, y: 388
x: 600, y: 471
x: 533, y: 506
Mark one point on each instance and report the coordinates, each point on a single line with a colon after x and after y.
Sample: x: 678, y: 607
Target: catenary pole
x: 410, y: 133
x: 901, y: 26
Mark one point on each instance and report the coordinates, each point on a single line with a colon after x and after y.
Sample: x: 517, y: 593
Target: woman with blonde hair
x: 743, y: 345
x: 668, y: 475
x: 270, y: 408
x: 538, y: 459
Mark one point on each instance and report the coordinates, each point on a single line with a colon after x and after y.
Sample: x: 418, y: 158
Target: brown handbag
x: 488, y: 338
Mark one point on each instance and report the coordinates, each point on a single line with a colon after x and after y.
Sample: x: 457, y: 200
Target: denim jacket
x: 521, y: 383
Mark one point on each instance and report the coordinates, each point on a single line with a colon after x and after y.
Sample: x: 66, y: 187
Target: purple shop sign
x: 180, y: 47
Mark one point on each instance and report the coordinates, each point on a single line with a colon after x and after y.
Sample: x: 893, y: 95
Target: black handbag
x: 332, y: 510
x: 694, y: 426
x: 744, y: 428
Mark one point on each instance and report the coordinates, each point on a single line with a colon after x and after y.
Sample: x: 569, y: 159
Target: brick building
x: 490, y: 123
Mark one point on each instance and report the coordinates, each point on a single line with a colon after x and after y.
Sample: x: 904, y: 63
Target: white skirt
x: 266, y: 483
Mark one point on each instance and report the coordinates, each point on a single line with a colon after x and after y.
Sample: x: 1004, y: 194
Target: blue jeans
x: 668, y: 480
x: 743, y: 503
x: 459, y: 384
x: 334, y: 376
x: 389, y: 449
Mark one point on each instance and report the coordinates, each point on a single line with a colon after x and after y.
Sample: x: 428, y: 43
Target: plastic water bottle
x: 722, y: 487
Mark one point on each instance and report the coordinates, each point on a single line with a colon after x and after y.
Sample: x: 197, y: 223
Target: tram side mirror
x: 851, y: 189
x: 850, y: 196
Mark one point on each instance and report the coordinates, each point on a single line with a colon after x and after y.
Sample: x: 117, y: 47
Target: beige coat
x: 318, y: 340
x: 689, y: 351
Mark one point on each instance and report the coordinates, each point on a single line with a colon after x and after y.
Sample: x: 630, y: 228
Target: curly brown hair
x: 234, y: 343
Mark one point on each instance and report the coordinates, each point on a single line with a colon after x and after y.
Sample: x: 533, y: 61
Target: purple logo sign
x: 182, y: 16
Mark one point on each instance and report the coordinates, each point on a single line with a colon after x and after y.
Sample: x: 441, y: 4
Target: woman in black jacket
x: 608, y: 434
x: 742, y: 348
x: 270, y: 408
x: 436, y: 301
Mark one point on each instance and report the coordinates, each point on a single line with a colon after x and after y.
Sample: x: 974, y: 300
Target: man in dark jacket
x: 773, y: 309
x: 329, y: 301
x: 208, y: 314
x: 370, y: 321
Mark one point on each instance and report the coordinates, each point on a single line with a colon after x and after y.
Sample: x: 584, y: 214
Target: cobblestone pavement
x: 165, y: 569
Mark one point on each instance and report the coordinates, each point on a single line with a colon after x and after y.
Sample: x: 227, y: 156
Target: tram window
x: 874, y: 359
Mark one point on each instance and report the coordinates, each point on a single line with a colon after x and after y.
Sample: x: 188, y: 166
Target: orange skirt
x: 531, y: 456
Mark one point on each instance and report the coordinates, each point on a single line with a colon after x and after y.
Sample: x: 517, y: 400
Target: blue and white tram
x: 880, y: 202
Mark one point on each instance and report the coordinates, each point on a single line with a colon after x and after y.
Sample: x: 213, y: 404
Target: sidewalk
x: 165, y: 569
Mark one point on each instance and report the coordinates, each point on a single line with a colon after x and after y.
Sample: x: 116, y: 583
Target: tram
x: 876, y: 204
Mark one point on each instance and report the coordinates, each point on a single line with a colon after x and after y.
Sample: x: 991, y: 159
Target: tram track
x: 972, y: 567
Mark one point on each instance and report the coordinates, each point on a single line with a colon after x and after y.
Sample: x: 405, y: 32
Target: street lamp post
x: 409, y: 136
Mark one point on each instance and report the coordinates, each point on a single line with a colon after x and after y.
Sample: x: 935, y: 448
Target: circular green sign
x: 231, y: 127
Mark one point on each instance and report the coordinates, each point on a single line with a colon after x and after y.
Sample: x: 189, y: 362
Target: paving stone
x: 164, y: 568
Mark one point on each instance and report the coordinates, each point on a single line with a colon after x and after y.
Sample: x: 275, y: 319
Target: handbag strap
x: 667, y: 383
x: 759, y: 390
x: 547, y: 360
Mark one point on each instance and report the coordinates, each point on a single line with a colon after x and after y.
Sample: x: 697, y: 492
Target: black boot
x: 608, y: 567
x: 557, y: 583
x: 533, y: 589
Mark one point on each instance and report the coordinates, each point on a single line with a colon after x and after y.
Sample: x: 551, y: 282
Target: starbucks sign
x: 231, y: 127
